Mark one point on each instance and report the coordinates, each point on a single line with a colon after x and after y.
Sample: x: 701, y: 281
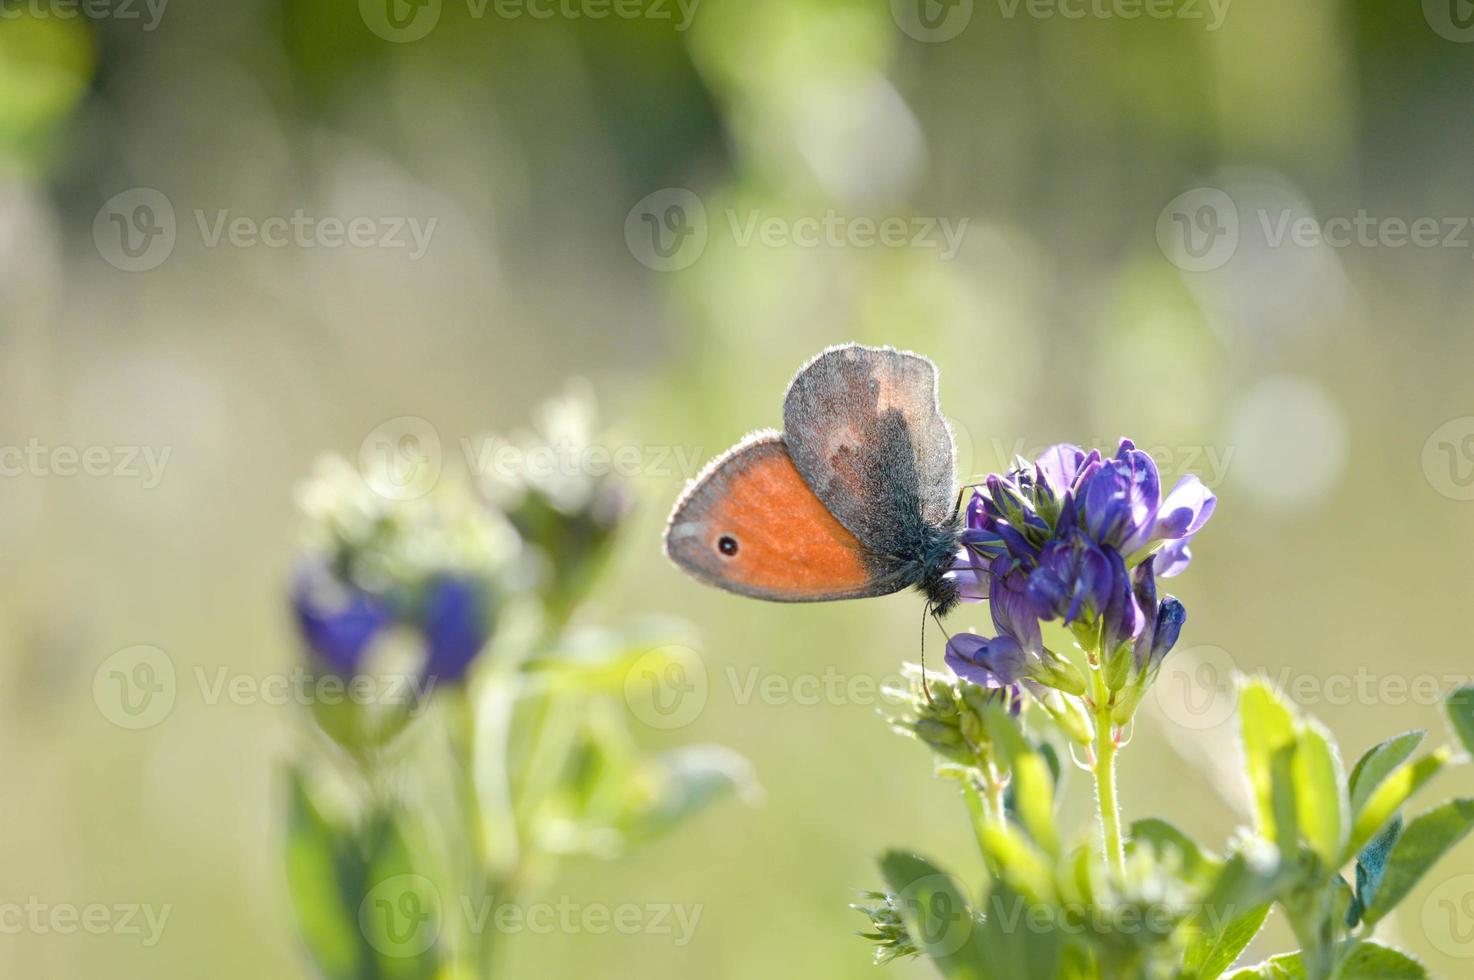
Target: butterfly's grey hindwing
x: 865, y: 429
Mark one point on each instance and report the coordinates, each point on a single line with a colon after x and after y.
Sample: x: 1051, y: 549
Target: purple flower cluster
x: 341, y: 620
x: 1080, y: 539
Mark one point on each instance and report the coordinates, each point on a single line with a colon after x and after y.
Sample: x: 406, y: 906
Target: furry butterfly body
x: 854, y: 498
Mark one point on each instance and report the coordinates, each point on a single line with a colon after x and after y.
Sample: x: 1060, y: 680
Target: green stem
x: 1105, y: 786
x: 1106, y: 793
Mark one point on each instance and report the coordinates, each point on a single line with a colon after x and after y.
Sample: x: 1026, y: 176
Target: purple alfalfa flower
x: 338, y: 621
x: 1123, y: 617
x: 998, y: 664
x: 1173, y: 558
x: 456, y: 620
x: 1119, y: 499
x: 1073, y: 580
x: 1163, y: 621
x: 1059, y: 467
x: 1182, y: 514
x: 1185, y: 510
x: 1012, y: 610
x: 1002, y: 518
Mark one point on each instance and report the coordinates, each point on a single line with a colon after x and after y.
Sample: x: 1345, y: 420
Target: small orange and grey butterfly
x: 854, y: 498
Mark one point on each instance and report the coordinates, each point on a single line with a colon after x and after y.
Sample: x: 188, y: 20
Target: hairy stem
x: 1105, y: 784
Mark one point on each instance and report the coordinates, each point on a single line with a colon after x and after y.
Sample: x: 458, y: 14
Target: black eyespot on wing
x: 727, y: 545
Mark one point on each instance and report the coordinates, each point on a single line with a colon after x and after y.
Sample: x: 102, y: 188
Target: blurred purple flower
x: 456, y: 622
x: 338, y: 621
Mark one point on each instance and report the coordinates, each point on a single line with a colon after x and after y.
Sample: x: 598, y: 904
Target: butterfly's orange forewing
x: 752, y: 525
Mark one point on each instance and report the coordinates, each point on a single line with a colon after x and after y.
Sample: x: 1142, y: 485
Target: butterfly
x: 856, y: 497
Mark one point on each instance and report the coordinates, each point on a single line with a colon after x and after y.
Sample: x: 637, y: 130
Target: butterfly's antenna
x: 924, y: 689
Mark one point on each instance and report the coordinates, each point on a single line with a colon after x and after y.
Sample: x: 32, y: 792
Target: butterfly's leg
x: 961, y: 493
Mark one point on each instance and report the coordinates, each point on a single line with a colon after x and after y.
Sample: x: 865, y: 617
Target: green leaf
x: 937, y: 915
x: 401, y: 915
x: 1320, y: 793
x: 1216, y: 944
x: 1198, y: 865
x: 1371, y: 863
x: 1019, y: 939
x: 1389, y: 797
x: 1426, y: 838
x: 1373, y: 961
x: 1461, y: 713
x: 323, y: 871
x: 1286, y: 966
x: 1268, y: 728
x: 689, y: 779
x: 1233, y: 911
x: 1378, y: 764
x: 1245, y: 883
x: 1368, y: 961
x: 1285, y: 820
x: 1026, y: 869
x: 1032, y: 782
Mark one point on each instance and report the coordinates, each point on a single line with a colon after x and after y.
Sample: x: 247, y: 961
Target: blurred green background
x: 1323, y: 389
